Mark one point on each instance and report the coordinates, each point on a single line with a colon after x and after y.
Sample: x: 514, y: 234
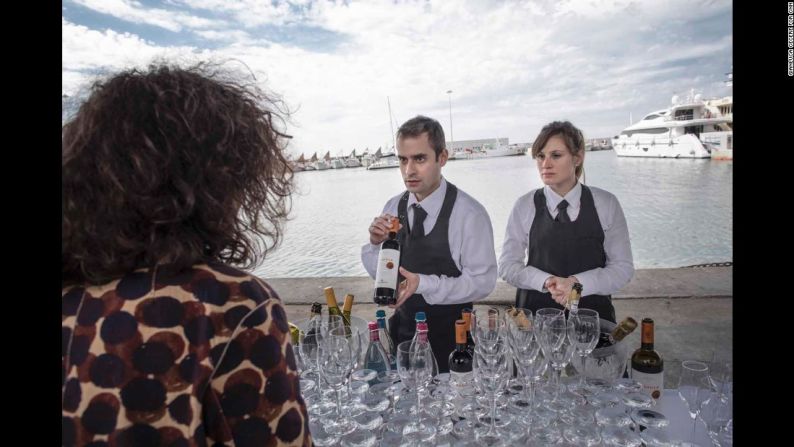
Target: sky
x: 511, y: 66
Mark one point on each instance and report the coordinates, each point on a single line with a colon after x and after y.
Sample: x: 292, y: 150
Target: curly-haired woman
x: 171, y: 176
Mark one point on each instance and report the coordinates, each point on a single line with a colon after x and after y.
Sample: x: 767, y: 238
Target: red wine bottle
x: 387, y: 276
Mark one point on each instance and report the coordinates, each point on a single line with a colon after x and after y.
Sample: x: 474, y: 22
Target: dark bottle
x: 387, y: 275
x: 647, y: 366
x: 315, y: 320
x: 460, y: 359
x: 604, y: 340
x: 624, y: 328
x: 466, y: 314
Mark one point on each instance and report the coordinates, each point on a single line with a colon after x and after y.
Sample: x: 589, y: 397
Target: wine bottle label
x: 388, y: 266
x: 652, y: 383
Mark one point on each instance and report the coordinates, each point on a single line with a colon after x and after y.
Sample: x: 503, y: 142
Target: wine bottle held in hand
x: 647, y: 366
x: 387, y: 275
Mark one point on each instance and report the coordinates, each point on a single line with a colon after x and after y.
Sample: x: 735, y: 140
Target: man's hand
x: 406, y: 288
x: 379, y: 230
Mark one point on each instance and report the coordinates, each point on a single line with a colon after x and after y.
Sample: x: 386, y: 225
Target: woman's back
x: 191, y: 357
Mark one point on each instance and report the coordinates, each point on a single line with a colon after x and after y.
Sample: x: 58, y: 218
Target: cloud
x: 136, y: 12
x: 512, y: 65
x: 250, y: 13
x: 87, y: 53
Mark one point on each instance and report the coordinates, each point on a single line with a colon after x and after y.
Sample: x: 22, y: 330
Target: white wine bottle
x: 387, y: 275
x: 333, y: 306
x: 347, y: 309
x: 647, y: 366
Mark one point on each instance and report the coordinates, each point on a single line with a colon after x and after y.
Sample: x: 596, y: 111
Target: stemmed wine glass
x: 557, y: 348
x: 584, y: 334
x: 492, y: 369
x: 335, y: 359
x: 695, y: 388
x: 487, y: 327
x: 415, y: 368
x: 312, y: 332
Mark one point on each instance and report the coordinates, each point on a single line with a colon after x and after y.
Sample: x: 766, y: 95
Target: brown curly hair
x: 172, y: 166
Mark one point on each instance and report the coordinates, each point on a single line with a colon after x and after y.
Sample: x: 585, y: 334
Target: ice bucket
x: 606, y: 363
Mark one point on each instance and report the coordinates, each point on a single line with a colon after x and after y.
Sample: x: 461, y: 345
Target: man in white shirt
x: 447, y: 255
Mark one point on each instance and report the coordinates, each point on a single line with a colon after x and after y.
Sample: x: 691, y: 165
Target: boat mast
x: 391, y: 125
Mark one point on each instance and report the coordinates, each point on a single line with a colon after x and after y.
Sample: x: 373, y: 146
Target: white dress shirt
x: 470, y: 243
x: 605, y: 280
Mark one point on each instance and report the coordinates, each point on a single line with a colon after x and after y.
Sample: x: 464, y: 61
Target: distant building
x: 476, y: 144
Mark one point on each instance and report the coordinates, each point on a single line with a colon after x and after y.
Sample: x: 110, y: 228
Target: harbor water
x: 679, y: 212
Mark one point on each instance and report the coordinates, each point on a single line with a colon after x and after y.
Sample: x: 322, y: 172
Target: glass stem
x: 339, y: 403
x: 320, y: 384
x: 531, y: 393
x: 581, y: 374
x: 694, y: 427
x: 558, y: 375
x: 418, y: 405
x: 492, y: 429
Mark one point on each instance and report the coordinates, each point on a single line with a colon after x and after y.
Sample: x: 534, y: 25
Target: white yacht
x: 721, y: 143
x: 352, y: 161
x: 500, y: 150
x: 387, y: 161
x: 690, y: 128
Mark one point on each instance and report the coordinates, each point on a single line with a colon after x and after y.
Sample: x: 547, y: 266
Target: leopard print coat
x: 190, y: 358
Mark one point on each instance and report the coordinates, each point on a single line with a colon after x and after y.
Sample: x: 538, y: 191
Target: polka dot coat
x: 179, y: 359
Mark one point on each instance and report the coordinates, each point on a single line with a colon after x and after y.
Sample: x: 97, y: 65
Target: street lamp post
x: 451, y: 133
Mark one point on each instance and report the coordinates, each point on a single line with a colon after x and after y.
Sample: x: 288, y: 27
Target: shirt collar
x: 553, y: 199
x: 432, y: 203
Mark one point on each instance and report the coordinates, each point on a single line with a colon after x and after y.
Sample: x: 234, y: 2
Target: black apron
x: 428, y: 255
x: 565, y: 249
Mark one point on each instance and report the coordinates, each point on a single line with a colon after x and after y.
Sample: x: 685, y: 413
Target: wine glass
x: 721, y: 372
x: 694, y: 388
x: 487, y: 327
x: 354, y: 339
x: 558, y: 348
x: 716, y: 414
x: 415, y: 368
x: 336, y: 361
x: 584, y: 334
x: 310, y: 336
x: 525, y: 347
x: 492, y: 369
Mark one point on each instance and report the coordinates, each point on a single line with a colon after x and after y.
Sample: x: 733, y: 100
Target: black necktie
x: 562, y: 213
x: 418, y: 227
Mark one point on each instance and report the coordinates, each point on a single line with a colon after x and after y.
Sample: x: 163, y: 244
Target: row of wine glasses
x: 707, y: 392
